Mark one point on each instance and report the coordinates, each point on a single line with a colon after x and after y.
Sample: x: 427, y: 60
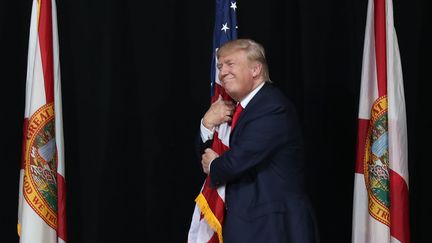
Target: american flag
x: 208, y: 216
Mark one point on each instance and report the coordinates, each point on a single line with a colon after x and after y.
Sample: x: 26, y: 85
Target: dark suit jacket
x: 263, y: 173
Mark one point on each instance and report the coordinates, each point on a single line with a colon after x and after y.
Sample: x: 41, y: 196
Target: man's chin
x: 231, y: 94
x: 228, y: 91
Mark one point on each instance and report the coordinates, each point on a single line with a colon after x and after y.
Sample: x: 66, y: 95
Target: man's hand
x: 208, y: 156
x: 219, y: 112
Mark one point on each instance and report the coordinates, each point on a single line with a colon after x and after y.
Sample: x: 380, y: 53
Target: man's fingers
x: 229, y: 103
x: 205, y: 169
x: 208, y: 152
x: 231, y: 107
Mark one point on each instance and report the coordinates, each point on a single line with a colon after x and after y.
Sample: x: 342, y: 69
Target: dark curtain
x: 135, y: 83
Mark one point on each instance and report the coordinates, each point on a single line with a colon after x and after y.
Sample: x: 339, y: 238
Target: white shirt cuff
x: 206, y: 134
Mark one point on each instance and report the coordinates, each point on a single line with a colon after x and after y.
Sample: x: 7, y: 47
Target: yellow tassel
x: 211, y: 219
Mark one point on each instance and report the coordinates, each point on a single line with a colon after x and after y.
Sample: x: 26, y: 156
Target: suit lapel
x: 249, y: 108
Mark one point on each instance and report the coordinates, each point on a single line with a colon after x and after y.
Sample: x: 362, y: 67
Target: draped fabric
x: 42, y: 196
x: 208, y: 216
x: 381, y: 210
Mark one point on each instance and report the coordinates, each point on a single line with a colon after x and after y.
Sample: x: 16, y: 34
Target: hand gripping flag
x: 42, y: 198
x: 208, y: 216
x: 381, y: 210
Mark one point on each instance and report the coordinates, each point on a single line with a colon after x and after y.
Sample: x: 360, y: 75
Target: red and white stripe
x: 382, y: 75
x: 206, y: 225
x: 43, y: 87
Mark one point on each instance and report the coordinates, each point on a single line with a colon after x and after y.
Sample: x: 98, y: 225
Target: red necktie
x: 236, y: 115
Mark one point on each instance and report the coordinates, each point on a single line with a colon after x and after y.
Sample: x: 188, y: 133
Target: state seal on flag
x: 40, y: 165
x: 376, y: 169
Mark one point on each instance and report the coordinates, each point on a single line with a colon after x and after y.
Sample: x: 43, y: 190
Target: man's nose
x: 223, y: 70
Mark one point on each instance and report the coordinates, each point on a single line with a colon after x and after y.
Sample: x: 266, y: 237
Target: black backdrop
x: 135, y: 77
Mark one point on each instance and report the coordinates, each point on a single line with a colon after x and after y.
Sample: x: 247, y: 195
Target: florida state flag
x: 42, y: 198
x: 381, y: 209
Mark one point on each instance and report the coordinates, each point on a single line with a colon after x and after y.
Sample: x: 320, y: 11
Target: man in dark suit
x: 263, y: 169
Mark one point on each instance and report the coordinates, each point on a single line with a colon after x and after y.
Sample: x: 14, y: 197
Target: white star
x: 225, y: 27
x: 233, y: 6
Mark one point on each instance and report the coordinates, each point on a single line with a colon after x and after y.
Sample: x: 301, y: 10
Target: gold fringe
x: 19, y: 229
x: 211, y: 219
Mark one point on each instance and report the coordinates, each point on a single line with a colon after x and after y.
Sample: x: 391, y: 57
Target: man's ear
x: 256, y: 69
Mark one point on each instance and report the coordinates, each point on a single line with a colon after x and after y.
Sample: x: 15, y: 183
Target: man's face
x: 236, y: 74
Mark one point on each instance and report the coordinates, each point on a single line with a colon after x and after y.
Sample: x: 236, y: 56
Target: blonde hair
x: 254, y: 52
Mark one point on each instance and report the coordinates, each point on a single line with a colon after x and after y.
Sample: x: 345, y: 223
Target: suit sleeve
x: 254, y: 144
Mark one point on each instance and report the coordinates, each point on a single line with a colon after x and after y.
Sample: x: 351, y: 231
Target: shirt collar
x: 244, y: 102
